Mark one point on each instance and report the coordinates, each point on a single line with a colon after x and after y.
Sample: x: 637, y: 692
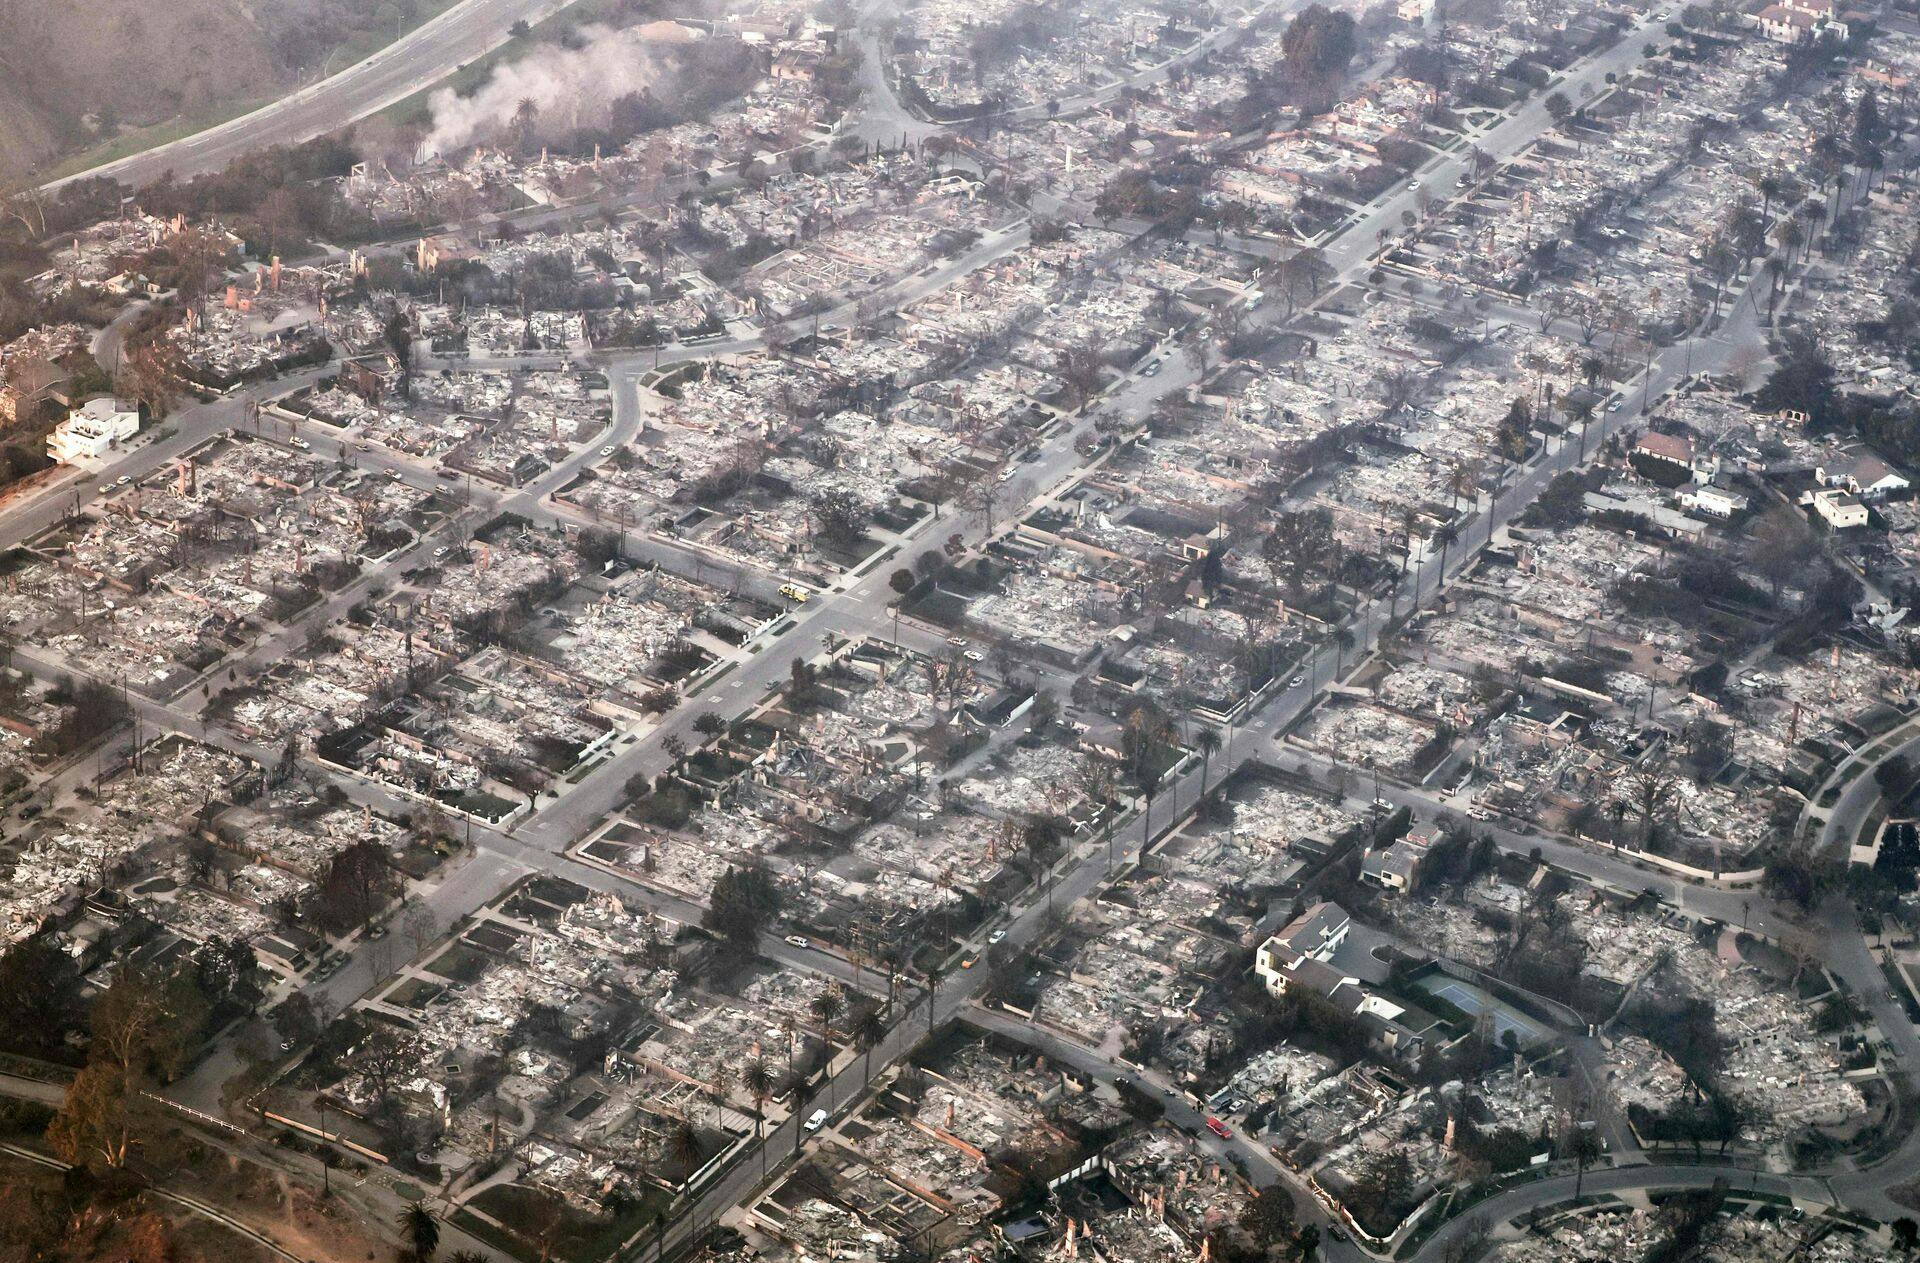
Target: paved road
x: 1839, y: 829
x: 1251, y: 1158
x: 417, y: 60
x: 1808, y: 1191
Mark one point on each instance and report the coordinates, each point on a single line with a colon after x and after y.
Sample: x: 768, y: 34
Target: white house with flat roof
x: 95, y: 428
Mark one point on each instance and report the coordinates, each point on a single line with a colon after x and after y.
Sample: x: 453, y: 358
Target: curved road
x: 418, y: 59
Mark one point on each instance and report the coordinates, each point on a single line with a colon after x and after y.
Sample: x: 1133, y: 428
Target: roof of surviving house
x: 1783, y: 13
x: 1861, y: 464
x: 1399, y: 859
x: 1667, y: 447
x: 1315, y: 976
x: 1312, y: 928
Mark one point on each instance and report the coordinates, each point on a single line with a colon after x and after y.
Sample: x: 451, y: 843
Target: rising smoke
x: 569, y: 88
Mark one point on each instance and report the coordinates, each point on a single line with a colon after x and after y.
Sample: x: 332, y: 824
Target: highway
x: 419, y: 59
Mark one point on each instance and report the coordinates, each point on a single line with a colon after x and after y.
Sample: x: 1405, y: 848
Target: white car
x: 974, y: 655
x: 798, y: 940
x: 1296, y: 681
x: 607, y: 451
x: 1413, y: 185
x: 815, y: 1119
x: 995, y: 937
x: 122, y: 480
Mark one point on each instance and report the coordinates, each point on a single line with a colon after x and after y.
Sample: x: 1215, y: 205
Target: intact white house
x: 1798, y: 20
x: 1299, y: 955
x: 1711, y: 499
x: 1862, y: 472
x: 1842, y: 510
x: 1301, y: 945
x: 94, y: 429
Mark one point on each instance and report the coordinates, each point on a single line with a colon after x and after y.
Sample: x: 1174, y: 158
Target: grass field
x: 357, y: 48
x: 142, y: 139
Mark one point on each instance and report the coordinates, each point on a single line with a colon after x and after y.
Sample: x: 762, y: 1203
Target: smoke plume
x: 569, y: 88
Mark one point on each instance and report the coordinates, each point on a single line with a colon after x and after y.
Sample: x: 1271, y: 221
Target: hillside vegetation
x: 77, y: 73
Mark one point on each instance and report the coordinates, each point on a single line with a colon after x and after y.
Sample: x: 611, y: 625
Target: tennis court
x: 1472, y: 1000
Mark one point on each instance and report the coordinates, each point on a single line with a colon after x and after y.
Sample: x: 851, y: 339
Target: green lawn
x: 460, y: 963
x: 577, y: 1236
x: 142, y: 139
x: 139, y: 140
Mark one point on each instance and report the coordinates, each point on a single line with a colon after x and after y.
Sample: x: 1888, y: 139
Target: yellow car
x: 793, y: 592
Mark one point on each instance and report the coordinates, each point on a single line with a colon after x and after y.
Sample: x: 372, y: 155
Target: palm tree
x: 1207, y: 741
x: 868, y: 1030
x: 1038, y: 837
x: 1447, y: 536
x: 1590, y: 369
x: 790, y: 1029
x: 1149, y: 782
x: 421, y: 1231
x: 1790, y: 234
x: 1461, y: 475
x: 1585, y: 1147
x: 1408, y: 521
x: 1769, y: 186
x: 758, y: 1081
x: 800, y: 1092
x: 933, y: 991
x: 1580, y: 412
x: 524, y: 115
x: 827, y: 1006
x: 719, y: 1087
x: 1776, y: 267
